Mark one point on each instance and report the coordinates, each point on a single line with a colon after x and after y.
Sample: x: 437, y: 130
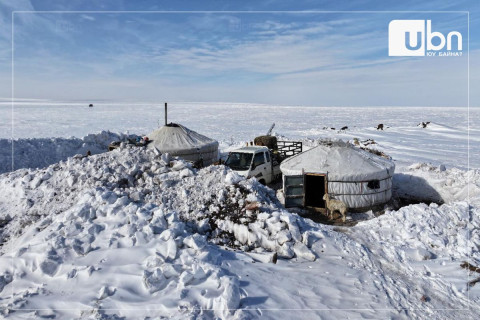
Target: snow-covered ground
x: 134, y: 234
x: 443, y: 142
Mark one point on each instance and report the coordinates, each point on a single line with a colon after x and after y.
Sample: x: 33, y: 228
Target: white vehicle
x: 255, y: 162
x: 260, y: 161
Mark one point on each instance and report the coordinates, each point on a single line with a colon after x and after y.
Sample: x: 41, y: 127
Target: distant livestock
x: 344, y: 128
x: 335, y: 205
x: 424, y: 124
x: 380, y: 126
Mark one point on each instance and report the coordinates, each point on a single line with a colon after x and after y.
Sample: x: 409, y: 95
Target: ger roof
x: 342, y: 161
x: 177, y: 138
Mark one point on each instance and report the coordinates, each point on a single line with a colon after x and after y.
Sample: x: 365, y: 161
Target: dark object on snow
x: 274, y: 258
x: 267, y: 141
x: 472, y: 268
x: 198, y: 164
x: 89, y: 153
x: 90, y: 105
x: 332, y: 128
x: 466, y: 265
x: 166, y: 113
x: 280, y: 149
x: 137, y: 141
x: 380, y: 126
x: 424, y: 124
x: 114, y: 145
x: 123, y: 183
x: 344, y: 128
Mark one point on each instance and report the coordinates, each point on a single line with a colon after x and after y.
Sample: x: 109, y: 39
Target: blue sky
x: 294, y: 58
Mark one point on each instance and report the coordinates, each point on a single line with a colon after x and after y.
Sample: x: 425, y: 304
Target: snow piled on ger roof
x: 178, y: 140
x: 342, y: 161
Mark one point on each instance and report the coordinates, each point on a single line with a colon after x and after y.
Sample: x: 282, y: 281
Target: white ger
x: 358, y: 178
x: 187, y: 144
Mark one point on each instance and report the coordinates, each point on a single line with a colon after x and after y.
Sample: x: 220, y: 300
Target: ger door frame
x: 306, y: 185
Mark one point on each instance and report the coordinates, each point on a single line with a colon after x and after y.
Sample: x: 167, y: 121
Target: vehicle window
x: 259, y: 159
x: 239, y: 161
x: 267, y: 155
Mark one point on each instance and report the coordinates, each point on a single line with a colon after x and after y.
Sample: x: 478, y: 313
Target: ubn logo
x: 414, y: 38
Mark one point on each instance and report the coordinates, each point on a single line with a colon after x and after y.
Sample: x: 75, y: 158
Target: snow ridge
x: 41, y: 152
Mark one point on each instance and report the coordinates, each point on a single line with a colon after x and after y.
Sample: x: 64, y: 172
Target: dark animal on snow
x: 380, y: 126
x: 274, y: 258
x: 344, y: 128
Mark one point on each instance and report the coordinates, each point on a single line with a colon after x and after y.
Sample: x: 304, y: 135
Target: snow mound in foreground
x: 120, y: 250
x: 41, y: 152
x: 232, y: 211
x: 424, y: 232
x: 133, y: 223
x: 132, y: 233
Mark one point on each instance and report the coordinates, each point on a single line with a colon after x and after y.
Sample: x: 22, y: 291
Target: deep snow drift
x: 41, y: 152
x: 132, y: 233
x: 86, y: 218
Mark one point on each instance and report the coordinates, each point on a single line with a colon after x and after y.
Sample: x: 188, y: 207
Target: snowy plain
x: 445, y: 141
x: 132, y: 234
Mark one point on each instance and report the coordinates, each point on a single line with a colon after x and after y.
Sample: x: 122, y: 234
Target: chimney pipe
x: 165, y: 113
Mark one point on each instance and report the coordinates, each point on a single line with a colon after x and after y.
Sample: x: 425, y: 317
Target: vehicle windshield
x: 239, y: 161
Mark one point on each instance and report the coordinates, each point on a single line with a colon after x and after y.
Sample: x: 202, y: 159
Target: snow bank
x: 41, y: 152
x: 121, y: 253
x: 426, y: 182
x: 133, y: 233
x: 452, y: 232
x: 235, y: 212
x: 133, y: 224
x: 420, y: 250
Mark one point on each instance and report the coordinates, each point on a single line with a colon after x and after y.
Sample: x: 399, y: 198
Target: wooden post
x: 165, y: 113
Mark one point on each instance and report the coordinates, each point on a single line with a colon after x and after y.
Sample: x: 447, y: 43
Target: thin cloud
x: 87, y: 17
x: 342, y: 61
